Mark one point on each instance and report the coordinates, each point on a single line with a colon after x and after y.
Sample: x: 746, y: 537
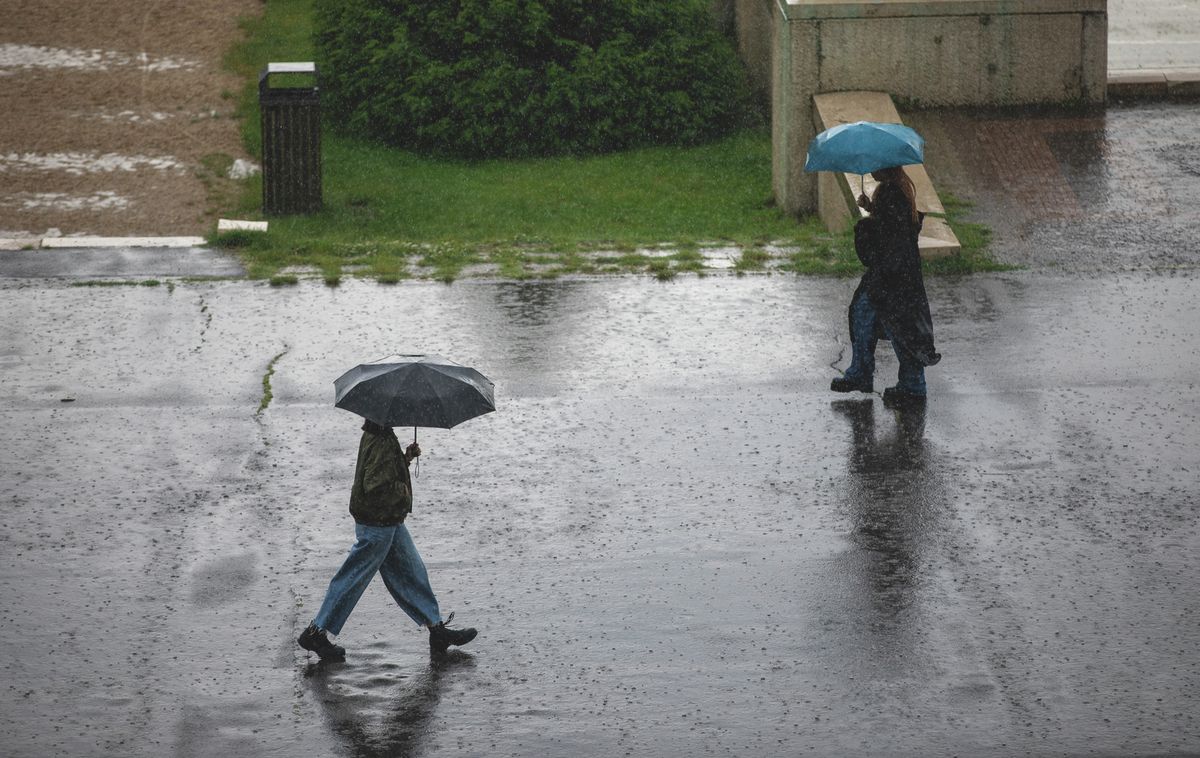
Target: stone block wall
x: 925, y: 53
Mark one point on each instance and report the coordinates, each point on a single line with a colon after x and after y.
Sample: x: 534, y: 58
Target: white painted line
x: 67, y: 242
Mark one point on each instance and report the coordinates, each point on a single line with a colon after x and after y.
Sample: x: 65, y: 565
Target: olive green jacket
x: 382, y: 493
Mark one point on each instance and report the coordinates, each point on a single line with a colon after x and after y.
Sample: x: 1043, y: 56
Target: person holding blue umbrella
x: 890, y: 301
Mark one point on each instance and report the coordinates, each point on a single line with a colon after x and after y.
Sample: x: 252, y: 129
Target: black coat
x: 382, y: 491
x: 886, y: 243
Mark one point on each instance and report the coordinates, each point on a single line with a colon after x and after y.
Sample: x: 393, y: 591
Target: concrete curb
x: 37, y: 243
x: 1170, y: 84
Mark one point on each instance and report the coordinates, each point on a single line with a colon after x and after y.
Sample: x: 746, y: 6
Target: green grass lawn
x: 390, y: 214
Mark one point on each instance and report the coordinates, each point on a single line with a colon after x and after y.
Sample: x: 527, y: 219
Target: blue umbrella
x: 863, y: 147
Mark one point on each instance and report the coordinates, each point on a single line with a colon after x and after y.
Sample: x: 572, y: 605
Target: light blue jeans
x: 862, y: 362
x: 390, y: 551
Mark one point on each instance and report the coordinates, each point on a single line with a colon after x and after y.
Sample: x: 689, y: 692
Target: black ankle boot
x: 846, y: 384
x: 441, y: 638
x: 894, y: 397
x: 315, y: 640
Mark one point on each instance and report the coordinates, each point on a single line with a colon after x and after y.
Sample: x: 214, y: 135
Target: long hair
x: 896, y: 175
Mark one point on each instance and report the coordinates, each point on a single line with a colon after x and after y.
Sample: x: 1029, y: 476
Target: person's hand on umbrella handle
x: 413, y: 451
x: 864, y: 202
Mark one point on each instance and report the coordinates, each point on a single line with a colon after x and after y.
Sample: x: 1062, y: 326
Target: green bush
x: 510, y: 78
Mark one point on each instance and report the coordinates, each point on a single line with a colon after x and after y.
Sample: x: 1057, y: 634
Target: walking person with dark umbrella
x: 379, y: 502
x: 419, y: 391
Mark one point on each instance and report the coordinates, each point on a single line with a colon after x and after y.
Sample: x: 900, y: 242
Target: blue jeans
x: 390, y: 551
x: 862, y: 361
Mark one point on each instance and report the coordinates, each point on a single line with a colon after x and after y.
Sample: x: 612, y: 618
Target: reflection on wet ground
x: 376, y: 710
x: 887, y: 491
x: 1083, y: 158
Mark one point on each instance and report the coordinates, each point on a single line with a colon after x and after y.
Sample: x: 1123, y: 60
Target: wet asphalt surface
x: 673, y: 538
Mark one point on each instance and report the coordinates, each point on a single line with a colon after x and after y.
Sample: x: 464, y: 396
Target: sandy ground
x: 118, y: 117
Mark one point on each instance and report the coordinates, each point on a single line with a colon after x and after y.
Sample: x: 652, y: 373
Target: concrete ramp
x: 837, y: 193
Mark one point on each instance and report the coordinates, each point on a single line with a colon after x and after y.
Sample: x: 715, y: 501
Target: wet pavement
x: 118, y: 263
x: 673, y: 538
x: 1101, y: 190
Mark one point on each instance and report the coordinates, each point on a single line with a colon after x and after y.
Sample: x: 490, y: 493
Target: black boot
x: 896, y: 398
x: 315, y: 639
x: 846, y: 384
x: 441, y: 638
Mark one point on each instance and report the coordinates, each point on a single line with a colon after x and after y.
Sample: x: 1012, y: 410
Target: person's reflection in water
x: 535, y: 325
x: 892, y: 496
x: 532, y: 303
x: 394, y: 726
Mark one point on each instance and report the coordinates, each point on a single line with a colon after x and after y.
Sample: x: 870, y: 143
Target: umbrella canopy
x: 414, y: 390
x: 863, y: 147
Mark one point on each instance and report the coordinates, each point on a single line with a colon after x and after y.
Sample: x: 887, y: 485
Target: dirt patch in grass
x: 118, y: 117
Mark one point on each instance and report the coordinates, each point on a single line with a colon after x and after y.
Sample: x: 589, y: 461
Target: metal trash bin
x: 291, y: 141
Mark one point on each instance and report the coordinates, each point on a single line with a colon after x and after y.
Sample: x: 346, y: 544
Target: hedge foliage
x: 492, y: 78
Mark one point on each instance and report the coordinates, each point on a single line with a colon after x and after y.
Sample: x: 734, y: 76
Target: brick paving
x: 1111, y: 188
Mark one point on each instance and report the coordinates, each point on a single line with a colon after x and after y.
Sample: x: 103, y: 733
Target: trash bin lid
x: 296, y: 67
x: 265, y: 90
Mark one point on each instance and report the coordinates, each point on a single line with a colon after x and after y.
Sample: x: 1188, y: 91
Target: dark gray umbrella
x: 414, y: 390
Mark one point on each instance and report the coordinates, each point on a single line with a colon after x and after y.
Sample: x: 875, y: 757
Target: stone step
x: 1159, y: 85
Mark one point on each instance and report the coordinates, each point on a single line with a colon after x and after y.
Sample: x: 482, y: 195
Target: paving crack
x: 266, y: 384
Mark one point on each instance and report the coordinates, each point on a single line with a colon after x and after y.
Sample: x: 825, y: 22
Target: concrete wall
x: 752, y: 29
x: 924, y: 53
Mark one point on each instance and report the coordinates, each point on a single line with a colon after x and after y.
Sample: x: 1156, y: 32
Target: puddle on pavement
x: 720, y: 257
x: 223, y: 580
x: 1184, y: 156
x: 31, y: 57
x: 1082, y: 158
x: 103, y: 200
x: 123, y: 116
x: 79, y: 163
